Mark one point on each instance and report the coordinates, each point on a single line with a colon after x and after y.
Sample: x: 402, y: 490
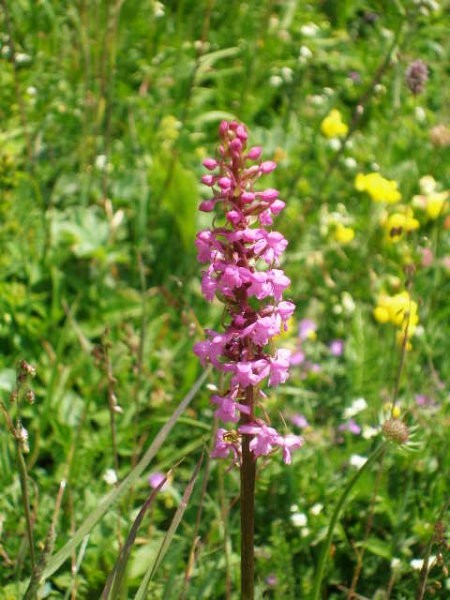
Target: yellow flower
x: 333, y: 125
x: 399, y: 223
x: 378, y: 188
x: 399, y: 310
x: 342, y: 234
x: 434, y: 203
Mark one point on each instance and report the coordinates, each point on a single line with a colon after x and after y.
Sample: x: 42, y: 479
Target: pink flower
x: 268, y: 166
x: 270, y: 246
x: 156, y: 479
x: 337, y: 347
x: 265, y: 438
x: 250, y: 372
x: 351, y: 426
x: 299, y: 421
x: 239, y: 254
x: 306, y: 329
x: 288, y: 443
x: 279, y: 367
x: 223, y: 446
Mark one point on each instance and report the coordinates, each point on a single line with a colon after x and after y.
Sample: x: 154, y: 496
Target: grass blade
x: 141, y: 593
x: 58, y: 559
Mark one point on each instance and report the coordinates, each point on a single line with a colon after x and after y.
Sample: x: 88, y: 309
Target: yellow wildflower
x: 333, y: 125
x: 342, y: 234
x: 399, y: 223
x: 393, y: 410
x: 400, y: 310
x: 378, y: 188
x: 433, y: 202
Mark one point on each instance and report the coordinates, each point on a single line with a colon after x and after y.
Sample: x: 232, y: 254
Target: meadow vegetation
x: 108, y: 109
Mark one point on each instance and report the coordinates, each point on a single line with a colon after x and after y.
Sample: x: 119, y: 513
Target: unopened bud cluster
x: 243, y: 273
x: 417, y: 76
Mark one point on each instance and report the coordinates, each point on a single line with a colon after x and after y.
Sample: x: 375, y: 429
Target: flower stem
x: 335, y: 516
x: 248, y: 476
x: 23, y: 476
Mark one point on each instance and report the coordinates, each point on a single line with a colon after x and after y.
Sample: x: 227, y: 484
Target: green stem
x: 23, y: 475
x: 248, y: 477
x: 335, y: 516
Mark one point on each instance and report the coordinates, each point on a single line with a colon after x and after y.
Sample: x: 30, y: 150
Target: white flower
x: 417, y: 563
x: 356, y: 407
x: 357, y: 461
x: 110, y: 477
x: 348, y: 303
x: 304, y: 55
x: 287, y: 73
x: 158, y: 9
x: 369, y: 432
x: 305, y: 532
x: 316, y: 509
x: 299, y: 519
x: 100, y: 161
x: 22, y: 58
x: 335, y: 143
x: 276, y: 81
x: 350, y: 162
x: 420, y: 114
x: 396, y: 563
x: 309, y: 30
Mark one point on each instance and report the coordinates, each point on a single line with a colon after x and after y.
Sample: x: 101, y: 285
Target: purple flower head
x: 155, y: 479
x: 337, y: 347
x: 307, y: 329
x: 416, y: 76
x: 351, y: 426
x: 242, y: 270
x: 299, y: 421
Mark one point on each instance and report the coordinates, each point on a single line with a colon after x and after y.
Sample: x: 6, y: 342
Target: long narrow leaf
x: 57, y: 559
x: 114, y: 581
x: 140, y: 595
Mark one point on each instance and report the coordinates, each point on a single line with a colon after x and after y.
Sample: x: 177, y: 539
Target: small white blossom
x: 275, y: 81
x: 369, y: 432
x: 357, y: 461
x: 299, y: 519
x: 356, y: 407
x: 350, y: 162
x: 309, y: 30
x: 110, y: 477
x: 316, y: 509
x: 420, y: 114
x: 348, y: 303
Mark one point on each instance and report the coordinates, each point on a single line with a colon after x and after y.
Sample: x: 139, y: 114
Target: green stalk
x: 335, y: 516
x: 248, y: 477
x: 23, y: 476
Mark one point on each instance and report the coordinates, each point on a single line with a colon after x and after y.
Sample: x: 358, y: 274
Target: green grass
x: 107, y: 110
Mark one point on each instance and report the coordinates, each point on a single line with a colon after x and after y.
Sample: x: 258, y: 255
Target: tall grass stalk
x: 379, y: 451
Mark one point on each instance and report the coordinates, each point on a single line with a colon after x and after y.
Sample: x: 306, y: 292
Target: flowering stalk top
x: 242, y: 258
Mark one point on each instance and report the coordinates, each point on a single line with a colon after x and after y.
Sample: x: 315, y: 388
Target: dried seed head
x: 30, y: 396
x: 396, y: 431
